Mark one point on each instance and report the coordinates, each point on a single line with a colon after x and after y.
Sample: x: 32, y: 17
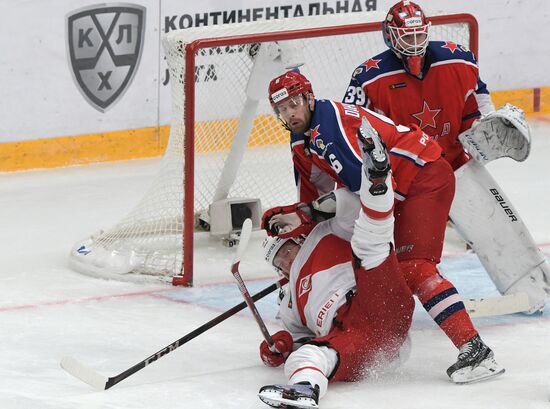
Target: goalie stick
x: 502, y: 305
x: 100, y: 382
x: 246, y: 230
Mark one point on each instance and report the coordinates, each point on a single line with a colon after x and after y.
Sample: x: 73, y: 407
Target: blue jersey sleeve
x: 333, y: 145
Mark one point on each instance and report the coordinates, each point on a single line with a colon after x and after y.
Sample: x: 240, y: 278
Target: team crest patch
x: 320, y: 144
x: 357, y: 71
x: 104, y: 45
x: 305, y: 285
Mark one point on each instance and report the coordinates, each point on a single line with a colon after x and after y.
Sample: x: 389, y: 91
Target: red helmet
x: 288, y: 85
x: 405, y: 29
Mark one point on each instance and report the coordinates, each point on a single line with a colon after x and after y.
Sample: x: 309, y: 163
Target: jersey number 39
x: 355, y: 95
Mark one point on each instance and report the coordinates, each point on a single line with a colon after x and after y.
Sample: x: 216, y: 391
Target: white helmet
x: 272, y: 245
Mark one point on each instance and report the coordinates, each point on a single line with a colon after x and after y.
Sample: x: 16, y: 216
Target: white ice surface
x: 47, y: 311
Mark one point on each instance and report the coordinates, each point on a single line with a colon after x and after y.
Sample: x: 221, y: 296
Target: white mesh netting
x: 230, y: 92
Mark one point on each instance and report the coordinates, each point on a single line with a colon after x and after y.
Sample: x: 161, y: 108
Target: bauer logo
x: 104, y: 44
x: 279, y: 95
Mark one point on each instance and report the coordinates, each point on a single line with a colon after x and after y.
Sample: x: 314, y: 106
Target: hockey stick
x: 246, y: 230
x: 502, y: 305
x: 101, y: 382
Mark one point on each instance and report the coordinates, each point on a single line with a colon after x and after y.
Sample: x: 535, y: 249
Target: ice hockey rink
x: 48, y: 311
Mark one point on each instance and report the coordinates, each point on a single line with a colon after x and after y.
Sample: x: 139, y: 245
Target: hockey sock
x: 440, y: 299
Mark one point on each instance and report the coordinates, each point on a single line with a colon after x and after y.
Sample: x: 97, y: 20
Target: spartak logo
x: 305, y: 285
x: 104, y: 44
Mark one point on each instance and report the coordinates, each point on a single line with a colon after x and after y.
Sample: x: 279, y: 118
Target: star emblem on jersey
x: 426, y: 117
x: 315, y: 133
x: 371, y: 64
x: 450, y: 46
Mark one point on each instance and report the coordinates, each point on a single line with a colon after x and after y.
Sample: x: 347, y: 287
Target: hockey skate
x: 476, y: 362
x: 297, y: 396
x: 375, y: 157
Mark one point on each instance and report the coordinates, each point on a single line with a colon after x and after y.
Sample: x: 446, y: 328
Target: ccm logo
x: 504, y: 206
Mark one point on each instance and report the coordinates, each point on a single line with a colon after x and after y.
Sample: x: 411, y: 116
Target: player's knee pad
x: 421, y: 275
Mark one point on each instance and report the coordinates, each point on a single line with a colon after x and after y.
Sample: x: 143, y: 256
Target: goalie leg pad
x: 486, y: 219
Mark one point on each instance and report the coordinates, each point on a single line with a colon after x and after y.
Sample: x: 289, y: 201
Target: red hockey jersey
x: 443, y: 103
x: 331, y: 147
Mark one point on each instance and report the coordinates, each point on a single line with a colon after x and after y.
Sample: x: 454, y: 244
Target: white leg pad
x: 485, y: 217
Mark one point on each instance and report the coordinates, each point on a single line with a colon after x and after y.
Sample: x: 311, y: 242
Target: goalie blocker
x: 486, y: 219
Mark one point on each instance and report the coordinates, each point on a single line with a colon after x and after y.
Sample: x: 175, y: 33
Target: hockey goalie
x: 437, y: 85
x: 484, y: 215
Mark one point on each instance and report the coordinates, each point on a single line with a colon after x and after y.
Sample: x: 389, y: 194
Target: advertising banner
x: 73, y: 68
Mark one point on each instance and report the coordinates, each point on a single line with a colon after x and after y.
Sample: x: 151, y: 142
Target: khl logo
x: 104, y: 45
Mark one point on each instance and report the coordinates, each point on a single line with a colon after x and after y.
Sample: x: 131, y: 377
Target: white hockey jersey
x: 320, y: 277
x: 322, y: 273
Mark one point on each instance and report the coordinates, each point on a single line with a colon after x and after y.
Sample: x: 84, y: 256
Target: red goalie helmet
x: 288, y: 85
x: 405, y: 29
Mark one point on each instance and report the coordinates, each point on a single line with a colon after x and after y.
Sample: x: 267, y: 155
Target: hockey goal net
x: 224, y: 140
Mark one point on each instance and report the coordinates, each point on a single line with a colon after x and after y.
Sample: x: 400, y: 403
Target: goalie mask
x: 275, y: 257
x: 405, y: 31
x: 287, y: 94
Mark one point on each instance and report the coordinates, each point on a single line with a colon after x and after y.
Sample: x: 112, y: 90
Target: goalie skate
x: 476, y: 362
x: 299, y: 396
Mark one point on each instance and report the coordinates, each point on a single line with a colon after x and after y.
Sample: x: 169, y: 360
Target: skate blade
x: 275, y: 400
x: 482, y: 372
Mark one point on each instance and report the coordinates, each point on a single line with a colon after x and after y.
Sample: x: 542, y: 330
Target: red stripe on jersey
x: 373, y: 214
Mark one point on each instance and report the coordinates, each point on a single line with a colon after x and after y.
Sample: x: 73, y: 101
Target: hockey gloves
x: 283, y: 344
x: 299, y: 218
x: 288, y: 221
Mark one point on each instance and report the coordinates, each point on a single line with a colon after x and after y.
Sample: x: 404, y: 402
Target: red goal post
x: 224, y: 140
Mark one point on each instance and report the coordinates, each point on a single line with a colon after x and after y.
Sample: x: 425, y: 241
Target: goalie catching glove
x: 503, y: 133
x: 282, y: 341
x: 299, y: 218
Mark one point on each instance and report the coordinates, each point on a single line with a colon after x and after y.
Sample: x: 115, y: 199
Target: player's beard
x: 297, y: 125
x: 300, y: 125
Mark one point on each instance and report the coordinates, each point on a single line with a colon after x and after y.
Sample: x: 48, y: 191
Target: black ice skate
x: 476, y: 362
x: 375, y: 157
x: 301, y: 395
